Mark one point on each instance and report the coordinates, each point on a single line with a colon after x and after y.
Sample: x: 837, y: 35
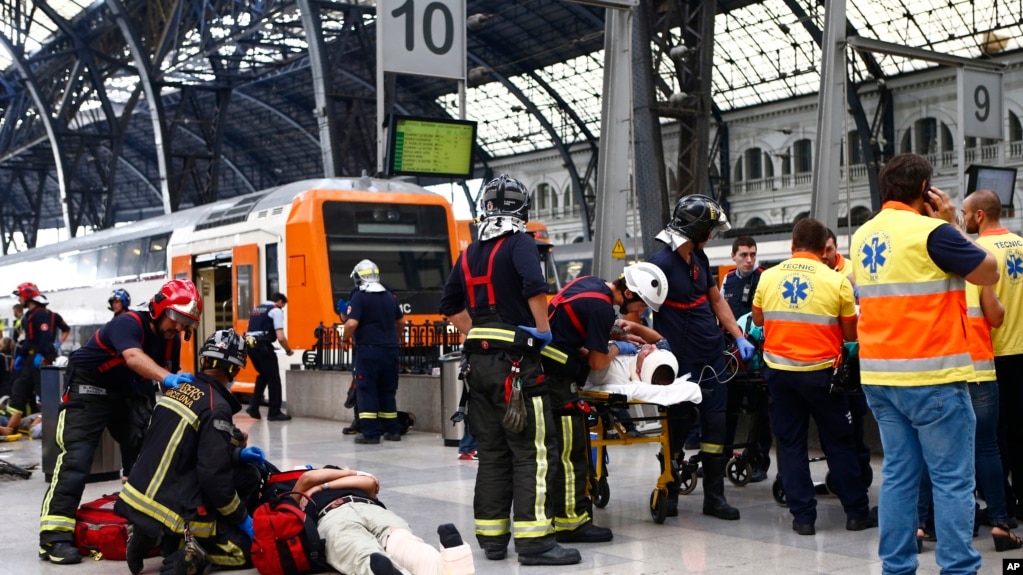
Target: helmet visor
x: 175, y: 315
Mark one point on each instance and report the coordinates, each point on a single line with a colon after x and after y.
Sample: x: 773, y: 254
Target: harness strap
x: 685, y: 305
x: 472, y: 282
x: 116, y: 360
x: 560, y: 300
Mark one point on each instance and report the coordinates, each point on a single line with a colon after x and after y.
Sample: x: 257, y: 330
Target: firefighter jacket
x: 185, y: 472
x: 912, y: 326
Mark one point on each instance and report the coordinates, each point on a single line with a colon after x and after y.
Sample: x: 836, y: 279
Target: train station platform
x: 423, y: 481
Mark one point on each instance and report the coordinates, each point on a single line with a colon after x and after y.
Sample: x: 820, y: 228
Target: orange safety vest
x: 981, y: 350
x: 802, y: 301
x: 912, y: 326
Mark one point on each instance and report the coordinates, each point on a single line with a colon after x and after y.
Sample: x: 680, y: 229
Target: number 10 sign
x: 422, y: 37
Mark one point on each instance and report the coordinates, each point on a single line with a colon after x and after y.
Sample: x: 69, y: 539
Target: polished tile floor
x: 423, y: 481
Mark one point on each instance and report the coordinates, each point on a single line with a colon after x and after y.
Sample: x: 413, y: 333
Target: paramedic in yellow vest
x: 982, y: 210
x: 807, y: 310
x: 910, y: 264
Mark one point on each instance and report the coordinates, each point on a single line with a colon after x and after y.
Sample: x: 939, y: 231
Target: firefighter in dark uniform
x: 376, y: 323
x: 266, y: 326
x: 100, y: 388
x: 496, y: 295
x: 582, y: 318
x: 195, y: 470
x: 689, y: 319
x: 38, y: 348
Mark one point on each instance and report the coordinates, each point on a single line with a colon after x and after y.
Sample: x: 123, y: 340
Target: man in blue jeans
x: 910, y: 264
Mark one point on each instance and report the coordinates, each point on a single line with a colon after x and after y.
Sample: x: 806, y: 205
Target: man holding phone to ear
x: 910, y: 264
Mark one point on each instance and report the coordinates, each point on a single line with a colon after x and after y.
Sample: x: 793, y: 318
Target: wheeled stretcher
x: 604, y: 407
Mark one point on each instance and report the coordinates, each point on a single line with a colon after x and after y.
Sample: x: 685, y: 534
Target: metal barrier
x: 419, y: 352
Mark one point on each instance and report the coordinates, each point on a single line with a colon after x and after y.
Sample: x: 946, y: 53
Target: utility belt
x: 253, y: 339
x: 90, y: 382
x: 343, y: 500
x: 496, y: 337
x: 565, y: 373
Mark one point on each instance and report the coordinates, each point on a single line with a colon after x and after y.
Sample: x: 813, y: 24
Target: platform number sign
x: 981, y: 98
x: 423, y: 37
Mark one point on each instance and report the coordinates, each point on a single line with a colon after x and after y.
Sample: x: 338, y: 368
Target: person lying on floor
x: 648, y: 376
x: 363, y: 537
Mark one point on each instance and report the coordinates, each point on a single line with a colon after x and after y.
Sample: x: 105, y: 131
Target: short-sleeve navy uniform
x: 693, y: 333
x: 596, y: 315
x: 120, y: 334
x: 517, y: 276
x: 376, y: 363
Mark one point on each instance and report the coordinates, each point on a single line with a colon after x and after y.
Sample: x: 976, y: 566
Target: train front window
x: 409, y: 243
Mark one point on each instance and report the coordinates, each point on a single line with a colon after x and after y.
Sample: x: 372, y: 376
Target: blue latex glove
x: 746, y: 348
x: 252, y: 455
x: 19, y: 362
x: 544, y: 336
x: 626, y: 348
x: 663, y: 344
x: 174, y: 380
x: 341, y: 306
x: 57, y: 344
x: 38, y: 360
x: 852, y: 347
x: 856, y: 293
x: 246, y: 526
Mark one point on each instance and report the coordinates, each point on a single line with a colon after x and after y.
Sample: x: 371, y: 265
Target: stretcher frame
x: 605, y: 403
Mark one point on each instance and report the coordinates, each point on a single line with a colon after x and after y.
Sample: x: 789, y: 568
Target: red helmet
x: 180, y: 301
x: 27, y: 291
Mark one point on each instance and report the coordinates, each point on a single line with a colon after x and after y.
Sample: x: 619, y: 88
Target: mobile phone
x: 927, y: 197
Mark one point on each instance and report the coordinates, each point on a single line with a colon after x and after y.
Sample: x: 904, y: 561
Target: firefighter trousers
x: 529, y: 458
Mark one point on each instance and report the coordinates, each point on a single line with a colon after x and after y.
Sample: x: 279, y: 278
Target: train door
x: 181, y: 268
x: 245, y: 289
x: 213, y: 279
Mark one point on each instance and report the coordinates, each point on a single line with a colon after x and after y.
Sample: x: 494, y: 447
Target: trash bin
x: 106, y: 464
x: 450, y: 394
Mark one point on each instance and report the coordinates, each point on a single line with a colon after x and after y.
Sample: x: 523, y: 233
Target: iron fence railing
x: 419, y: 352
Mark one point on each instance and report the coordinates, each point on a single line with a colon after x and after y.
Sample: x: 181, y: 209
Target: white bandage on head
x: 656, y: 359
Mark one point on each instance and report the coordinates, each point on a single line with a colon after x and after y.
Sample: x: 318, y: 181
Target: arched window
x: 1015, y: 128
x: 855, y: 153
x: 754, y: 158
x: 947, y: 141
x: 926, y: 131
x: 800, y: 216
x: 543, y: 197
x: 768, y: 165
x: 907, y: 142
x: 754, y: 223
x: 738, y: 171
x: 802, y: 151
x: 859, y: 215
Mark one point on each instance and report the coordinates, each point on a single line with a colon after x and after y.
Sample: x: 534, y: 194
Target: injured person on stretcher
x: 648, y: 376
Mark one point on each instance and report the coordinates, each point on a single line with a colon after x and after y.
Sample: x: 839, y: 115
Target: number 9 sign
x: 980, y: 96
x: 422, y: 37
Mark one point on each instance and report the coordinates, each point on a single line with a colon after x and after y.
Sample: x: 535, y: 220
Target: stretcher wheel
x: 659, y: 505
x: 602, y: 493
x: 686, y: 479
x: 739, y: 471
x: 779, y: 492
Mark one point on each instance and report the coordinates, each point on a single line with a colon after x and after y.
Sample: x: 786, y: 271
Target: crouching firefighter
x: 195, y: 474
x: 582, y: 317
x: 496, y: 295
x: 103, y: 380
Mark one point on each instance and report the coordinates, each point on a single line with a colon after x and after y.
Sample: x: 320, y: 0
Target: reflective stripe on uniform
x: 493, y: 527
x: 945, y: 362
x: 163, y: 514
x: 540, y: 479
x: 532, y: 529
x: 712, y: 448
x: 230, y: 508
x: 230, y: 555
x: 800, y: 317
x: 900, y: 289
x: 568, y: 471
x: 771, y: 358
x: 554, y: 354
x: 387, y: 414
x: 491, y: 333
x: 56, y: 522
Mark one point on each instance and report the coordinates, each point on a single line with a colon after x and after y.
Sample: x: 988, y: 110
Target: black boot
x: 714, y: 502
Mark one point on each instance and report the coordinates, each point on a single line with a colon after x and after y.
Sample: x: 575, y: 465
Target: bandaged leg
x: 414, y: 554
x: 458, y: 560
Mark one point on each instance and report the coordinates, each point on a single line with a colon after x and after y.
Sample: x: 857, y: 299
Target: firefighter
x: 582, y: 317
x: 689, y: 319
x: 497, y: 296
x: 194, y: 469
x: 266, y: 326
x: 102, y: 382
x: 376, y: 322
x: 119, y: 301
x: 39, y: 347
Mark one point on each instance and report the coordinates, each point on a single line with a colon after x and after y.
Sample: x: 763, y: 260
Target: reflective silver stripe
x: 491, y: 333
x: 91, y: 390
x: 813, y: 318
x: 933, y: 287
x: 916, y: 365
x: 984, y: 365
x: 793, y: 363
x: 532, y: 528
x: 974, y: 312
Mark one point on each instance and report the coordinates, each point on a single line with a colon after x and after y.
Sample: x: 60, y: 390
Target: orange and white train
x: 302, y: 239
